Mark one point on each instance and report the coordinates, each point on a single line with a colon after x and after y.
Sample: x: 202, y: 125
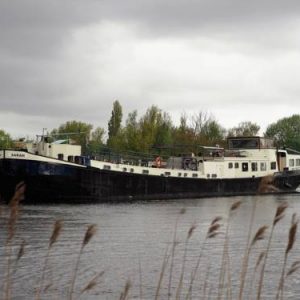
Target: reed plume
x: 278, y: 216
x: 260, y: 233
x: 211, y: 233
x: 57, y: 228
x: 125, y: 293
x: 90, y: 232
x: 225, y: 263
x: 14, y: 206
x: 290, y: 244
x: 190, y: 233
x: 294, y: 267
x: 92, y: 283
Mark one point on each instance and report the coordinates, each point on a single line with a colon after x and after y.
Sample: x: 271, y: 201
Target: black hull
x: 57, y: 183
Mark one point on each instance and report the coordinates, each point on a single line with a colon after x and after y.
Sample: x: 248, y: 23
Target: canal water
x: 149, y: 246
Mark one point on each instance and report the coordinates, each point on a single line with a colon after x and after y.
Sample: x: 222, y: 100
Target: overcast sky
x: 69, y: 60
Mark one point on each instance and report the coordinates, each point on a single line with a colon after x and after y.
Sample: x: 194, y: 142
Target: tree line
x: 154, y: 132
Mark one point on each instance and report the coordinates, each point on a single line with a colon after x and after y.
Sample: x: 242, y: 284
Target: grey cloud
x: 37, y: 78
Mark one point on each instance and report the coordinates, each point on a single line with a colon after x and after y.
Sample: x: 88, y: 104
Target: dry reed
x: 181, y: 212
x: 57, y: 228
x: 90, y: 232
x: 14, y: 206
x: 225, y: 262
x: 278, y: 216
x: 294, y: 267
x: 162, y: 272
x: 125, y: 293
x: 189, y: 235
x: 211, y: 232
x: 290, y: 244
x: 92, y: 283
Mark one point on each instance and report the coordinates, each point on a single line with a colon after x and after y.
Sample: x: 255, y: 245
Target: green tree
x: 183, y: 137
x: 77, y: 131
x: 213, y: 132
x: 132, y: 132
x: 114, y: 124
x: 97, y: 140
x: 155, y: 128
x: 244, y: 129
x: 285, y: 132
x: 207, y: 131
x: 5, y: 140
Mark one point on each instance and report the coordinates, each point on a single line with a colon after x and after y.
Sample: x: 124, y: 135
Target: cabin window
x: 60, y: 156
x: 236, y: 165
x: 185, y: 174
x: 244, y: 167
x: 145, y: 172
x: 77, y: 159
x: 230, y: 165
x: 208, y: 175
x: 106, y: 167
x: 179, y: 174
x: 167, y: 173
x: 195, y: 175
x: 213, y: 175
x: 71, y: 158
x: 291, y: 162
x: 297, y: 162
x: 124, y: 169
x: 263, y: 166
x: 131, y: 170
x: 273, y: 165
x: 254, y: 167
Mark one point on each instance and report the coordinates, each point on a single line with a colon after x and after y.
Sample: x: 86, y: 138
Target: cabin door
x: 281, y: 159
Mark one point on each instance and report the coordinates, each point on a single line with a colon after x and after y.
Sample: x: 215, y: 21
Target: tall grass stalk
x: 278, y: 216
x: 225, y: 263
x: 140, y: 279
x: 290, y: 244
x: 14, y: 206
x: 92, y: 283
x: 174, y: 244
x: 90, y: 232
x: 162, y: 272
x: 55, y: 234
x: 257, y: 264
x: 246, y: 252
x: 189, y: 235
x: 124, y: 295
x: 211, y: 233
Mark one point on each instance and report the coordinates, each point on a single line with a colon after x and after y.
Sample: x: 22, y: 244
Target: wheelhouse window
x: 254, y: 167
x: 273, y: 165
x: 245, y: 167
x: 230, y: 165
x: 291, y: 163
x: 263, y: 166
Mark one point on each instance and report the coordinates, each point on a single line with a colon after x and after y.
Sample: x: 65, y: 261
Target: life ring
x: 158, y: 162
